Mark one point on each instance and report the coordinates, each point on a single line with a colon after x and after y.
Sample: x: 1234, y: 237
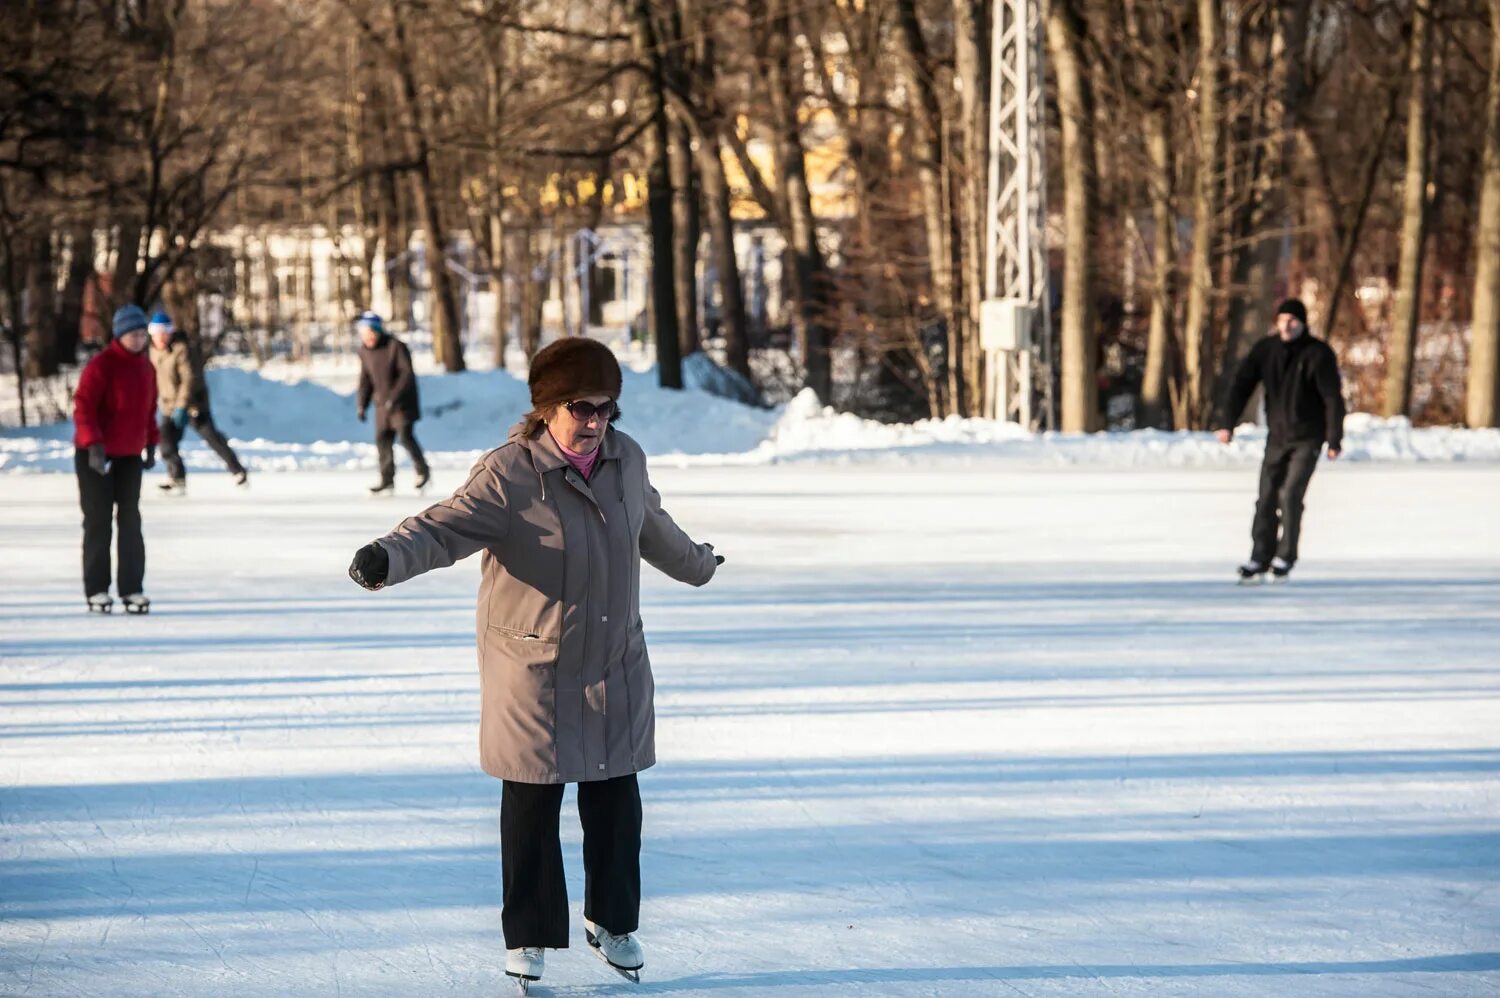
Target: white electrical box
x: 1005, y: 324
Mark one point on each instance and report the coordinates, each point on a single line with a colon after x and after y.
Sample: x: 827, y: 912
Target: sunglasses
x: 586, y: 411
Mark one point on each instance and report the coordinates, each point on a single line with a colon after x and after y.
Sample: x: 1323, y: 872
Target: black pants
x: 106, y: 498
x: 387, y: 431
x: 531, y: 863
x: 1284, y: 476
x: 171, y: 439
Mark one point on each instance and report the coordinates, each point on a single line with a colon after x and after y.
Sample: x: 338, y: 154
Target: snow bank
x: 290, y: 419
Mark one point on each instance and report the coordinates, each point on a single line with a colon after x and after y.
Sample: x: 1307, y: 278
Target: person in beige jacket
x: 562, y: 515
x: 182, y: 401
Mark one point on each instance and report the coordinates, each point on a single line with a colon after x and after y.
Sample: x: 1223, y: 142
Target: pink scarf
x: 583, y: 462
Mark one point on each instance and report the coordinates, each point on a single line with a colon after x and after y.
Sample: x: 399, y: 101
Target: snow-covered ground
x: 302, y: 416
x: 961, y: 729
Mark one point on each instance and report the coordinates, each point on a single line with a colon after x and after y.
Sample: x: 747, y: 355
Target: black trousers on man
x: 1284, y: 476
x: 110, y: 499
x: 388, y: 429
x: 203, y: 422
x: 531, y: 862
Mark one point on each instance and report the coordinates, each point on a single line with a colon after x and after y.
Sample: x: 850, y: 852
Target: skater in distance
x: 1299, y: 376
x: 386, y: 378
x: 115, y: 436
x: 562, y: 514
x: 182, y: 399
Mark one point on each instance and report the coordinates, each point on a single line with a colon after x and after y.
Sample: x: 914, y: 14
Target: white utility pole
x: 1015, y: 319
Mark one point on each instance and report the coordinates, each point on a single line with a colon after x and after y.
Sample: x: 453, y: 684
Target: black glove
x: 150, y: 461
x: 370, y: 566
x: 97, y: 460
x: 362, y: 415
x: 718, y: 558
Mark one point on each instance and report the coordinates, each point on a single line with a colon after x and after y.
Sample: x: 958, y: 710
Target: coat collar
x: 547, y: 456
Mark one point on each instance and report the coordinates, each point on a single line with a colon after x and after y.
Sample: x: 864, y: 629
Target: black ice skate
x: 1251, y: 573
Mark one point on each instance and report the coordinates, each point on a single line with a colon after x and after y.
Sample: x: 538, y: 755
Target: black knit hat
x: 572, y: 368
x: 1294, y: 308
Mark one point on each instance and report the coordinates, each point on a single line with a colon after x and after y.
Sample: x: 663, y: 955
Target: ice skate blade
x: 522, y: 981
x: 632, y: 974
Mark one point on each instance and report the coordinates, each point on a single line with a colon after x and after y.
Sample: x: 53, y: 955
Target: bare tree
x: 1484, y: 351
x: 1402, y: 349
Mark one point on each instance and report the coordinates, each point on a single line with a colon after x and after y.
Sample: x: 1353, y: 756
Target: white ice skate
x: 623, y: 953
x: 524, y: 965
x: 1251, y: 573
x: 1281, y: 570
x: 173, y: 487
x: 136, y: 603
x: 101, y: 603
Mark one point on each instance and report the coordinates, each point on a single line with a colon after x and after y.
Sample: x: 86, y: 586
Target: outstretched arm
x: 474, y: 517
x: 669, y: 549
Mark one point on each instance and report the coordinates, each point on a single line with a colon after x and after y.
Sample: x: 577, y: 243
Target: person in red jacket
x: 114, y: 422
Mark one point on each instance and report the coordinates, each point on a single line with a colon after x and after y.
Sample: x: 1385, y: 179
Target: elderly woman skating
x: 563, y: 512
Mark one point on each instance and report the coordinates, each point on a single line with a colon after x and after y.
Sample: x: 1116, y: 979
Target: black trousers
x: 387, y: 431
x: 114, y: 496
x: 531, y: 862
x: 1284, y: 476
x: 171, y: 440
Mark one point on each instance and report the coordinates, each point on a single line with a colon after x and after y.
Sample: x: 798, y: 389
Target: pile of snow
x: 291, y: 417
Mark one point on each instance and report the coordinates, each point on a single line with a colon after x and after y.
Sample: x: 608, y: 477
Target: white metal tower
x: 1015, y: 321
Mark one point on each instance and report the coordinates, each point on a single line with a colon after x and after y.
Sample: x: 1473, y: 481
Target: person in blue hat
x: 182, y: 401
x: 115, y: 437
x: 386, y: 379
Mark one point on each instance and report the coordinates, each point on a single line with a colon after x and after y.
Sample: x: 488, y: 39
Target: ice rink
x: 938, y: 728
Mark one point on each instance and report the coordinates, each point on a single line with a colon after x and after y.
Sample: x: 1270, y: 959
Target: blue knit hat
x: 128, y: 319
x: 371, y: 319
x: 160, y: 322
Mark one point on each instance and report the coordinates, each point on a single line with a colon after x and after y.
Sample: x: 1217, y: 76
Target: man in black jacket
x: 1304, y: 410
x: 386, y: 377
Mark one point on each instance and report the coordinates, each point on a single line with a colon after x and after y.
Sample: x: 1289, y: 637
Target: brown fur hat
x: 571, y: 368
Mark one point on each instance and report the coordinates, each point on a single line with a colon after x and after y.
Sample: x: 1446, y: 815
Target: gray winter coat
x: 565, y: 681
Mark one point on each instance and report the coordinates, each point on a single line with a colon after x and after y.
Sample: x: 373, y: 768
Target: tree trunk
x: 928, y: 159
x: 1154, y: 394
x: 1484, y: 353
x: 41, y: 307
x: 70, y: 312
x: 811, y: 284
x: 1401, y: 351
x: 972, y: 71
x: 127, y: 259
x: 533, y: 294
x: 1080, y: 389
x: 733, y: 322
x: 665, y: 300
x: 1198, y: 334
x: 446, y: 344
x: 497, y: 287
x: 687, y: 231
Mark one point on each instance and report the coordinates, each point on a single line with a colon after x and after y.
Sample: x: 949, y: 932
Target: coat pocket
x: 521, y: 634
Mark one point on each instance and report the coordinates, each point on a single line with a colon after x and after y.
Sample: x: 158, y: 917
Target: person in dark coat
x: 182, y: 401
x: 387, y: 379
x: 1299, y: 375
x: 114, y: 425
